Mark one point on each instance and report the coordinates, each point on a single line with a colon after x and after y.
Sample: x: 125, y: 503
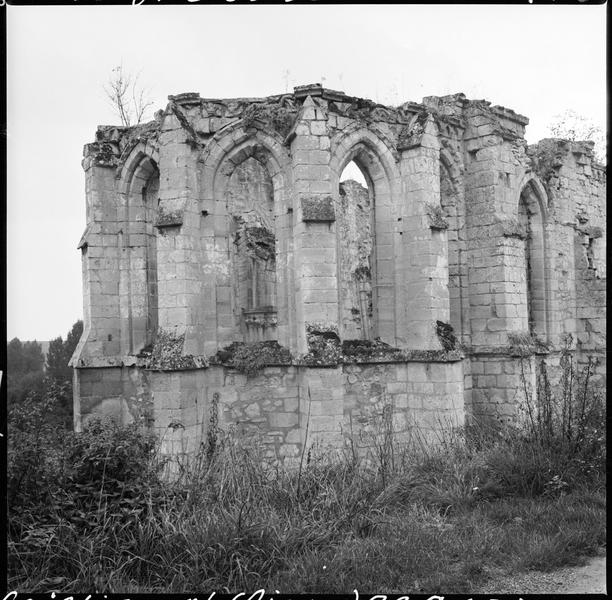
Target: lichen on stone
x: 168, y: 218
x: 318, y: 208
x: 511, y: 227
x: 436, y: 217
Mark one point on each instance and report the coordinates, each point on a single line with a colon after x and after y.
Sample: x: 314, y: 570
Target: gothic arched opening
x: 533, y: 272
x: 150, y: 197
x: 451, y: 204
x: 355, y: 227
x: 250, y: 206
x: 140, y: 265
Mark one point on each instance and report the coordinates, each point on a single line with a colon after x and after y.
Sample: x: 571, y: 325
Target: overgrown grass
x: 93, y: 513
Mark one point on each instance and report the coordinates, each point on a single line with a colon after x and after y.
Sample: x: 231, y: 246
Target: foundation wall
x: 287, y: 408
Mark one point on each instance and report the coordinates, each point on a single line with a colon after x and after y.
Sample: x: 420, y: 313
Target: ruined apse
x: 234, y: 276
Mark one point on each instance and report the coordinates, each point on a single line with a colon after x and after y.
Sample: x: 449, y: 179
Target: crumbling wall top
x: 114, y: 142
x: 457, y: 117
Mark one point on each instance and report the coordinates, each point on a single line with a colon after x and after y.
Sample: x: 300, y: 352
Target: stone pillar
x: 214, y: 226
x: 100, y: 255
x: 100, y: 343
x: 315, y: 259
x: 285, y: 284
x: 496, y: 267
x: 180, y: 265
x: 423, y: 296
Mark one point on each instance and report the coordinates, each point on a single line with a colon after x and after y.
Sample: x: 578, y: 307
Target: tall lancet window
x: 531, y: 218
x: 150, y: 195
x: 355, y: 224
x: 250, y: 203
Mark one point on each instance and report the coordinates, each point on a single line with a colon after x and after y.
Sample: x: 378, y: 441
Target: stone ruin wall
x: 220, y: 237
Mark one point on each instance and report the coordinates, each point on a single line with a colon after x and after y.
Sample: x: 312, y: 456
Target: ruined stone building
x: 233, y: 276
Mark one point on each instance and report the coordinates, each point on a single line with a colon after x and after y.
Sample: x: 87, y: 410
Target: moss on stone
x: 363, y: 273
x: 167, y: 354
x: 315, y: 208
x: 436, y: 217
x: 521, y: 343
x: 446, y: 335
x: 260, y: 242
x: 368, y: 350
x: 271, y: 116
x: 324, y: 348
x: 432, y: 355
x: 251, y: 357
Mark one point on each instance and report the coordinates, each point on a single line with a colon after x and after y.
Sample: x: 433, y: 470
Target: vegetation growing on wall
x: 274, y: 116
x: 368, y: 350
x: 521, y: 343
x: 324, y: 347
x: 251, y: 357
x: 446, y: 335
x: 166, y: 354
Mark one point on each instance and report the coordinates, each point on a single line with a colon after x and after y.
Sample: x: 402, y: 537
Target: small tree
x: 59, y: 373
x: 24, y: 363
x: 128, y: 99
x: 23, y: 357
x: 572, y: 126
x: 60, y: 352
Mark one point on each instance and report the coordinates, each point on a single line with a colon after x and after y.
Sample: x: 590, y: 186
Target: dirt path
x: 589, y: 579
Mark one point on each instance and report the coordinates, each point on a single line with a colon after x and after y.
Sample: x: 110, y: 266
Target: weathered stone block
x: 317, y: 208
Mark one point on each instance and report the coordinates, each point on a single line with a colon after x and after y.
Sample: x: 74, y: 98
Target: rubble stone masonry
x: 232, y: 277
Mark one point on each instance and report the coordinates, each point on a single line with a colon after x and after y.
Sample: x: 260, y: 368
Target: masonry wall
x: 283, y: 407
x: 220, y: 233
x: 578, y: 232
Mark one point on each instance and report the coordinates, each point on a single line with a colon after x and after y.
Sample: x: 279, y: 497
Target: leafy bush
x: 64, y: 487
x: 106, y: 451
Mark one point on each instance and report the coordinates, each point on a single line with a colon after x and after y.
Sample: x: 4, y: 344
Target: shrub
x: 34, y: 449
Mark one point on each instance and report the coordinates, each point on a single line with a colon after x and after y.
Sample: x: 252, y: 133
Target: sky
x: 537, y: 60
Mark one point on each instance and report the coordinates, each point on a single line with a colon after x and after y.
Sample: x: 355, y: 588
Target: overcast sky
x: 537, y: 60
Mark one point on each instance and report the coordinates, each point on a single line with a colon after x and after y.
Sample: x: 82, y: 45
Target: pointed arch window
x: 531, y: 214
x: 355, y: 223
x: 250, y: 205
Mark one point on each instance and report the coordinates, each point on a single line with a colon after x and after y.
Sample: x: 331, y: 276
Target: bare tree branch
x: 127, y: 98
x: 572, y: 126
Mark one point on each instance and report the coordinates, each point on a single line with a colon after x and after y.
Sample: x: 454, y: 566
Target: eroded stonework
x: 231, y: 276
